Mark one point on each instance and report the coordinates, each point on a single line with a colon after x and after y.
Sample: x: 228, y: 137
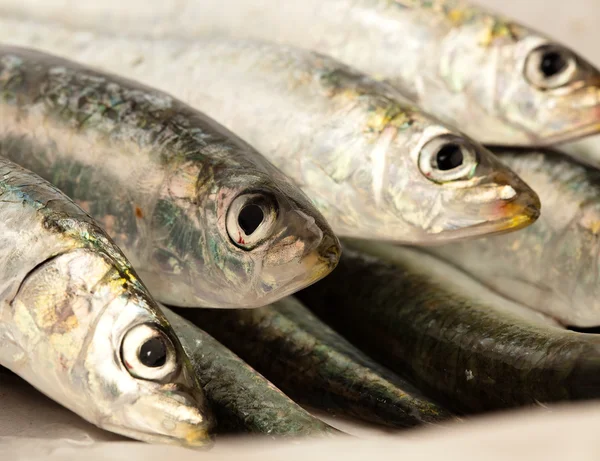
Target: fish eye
x: 149, y: 354
x: 550, y: 66
x: 447, y: 158
x: 251, y: 219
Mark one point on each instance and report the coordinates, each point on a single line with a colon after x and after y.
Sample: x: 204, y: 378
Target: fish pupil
x: 449, y: 157
x: 552, y: 63
x: 153, y: 353
x: 251, y: 216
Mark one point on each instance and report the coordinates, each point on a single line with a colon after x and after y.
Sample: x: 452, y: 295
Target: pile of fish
x: 167, y: 152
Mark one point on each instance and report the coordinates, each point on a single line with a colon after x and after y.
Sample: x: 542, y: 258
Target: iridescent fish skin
x: 457, y: 340
x: 501, y: 82
x: 554, y: 265
x: 206, y: 219
x: 74, y: 319
x: 369, y: 161
x: 241, y: 398
x: 315, y: 365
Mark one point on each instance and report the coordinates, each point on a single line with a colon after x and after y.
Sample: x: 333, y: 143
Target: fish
x: 316, y: 366
x: 500, y: 81
x: 241, y: 398
x: 552, y: 266
x: 202, y: 215
x: 585, y: 150
x: 459, y: 342
x: 373, y: 164
x: 77, y: 323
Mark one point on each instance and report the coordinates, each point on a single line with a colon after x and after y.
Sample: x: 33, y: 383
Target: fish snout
x: 175, y: 415
x: 324, y: 258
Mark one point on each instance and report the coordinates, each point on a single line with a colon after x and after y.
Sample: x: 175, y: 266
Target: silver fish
x: 205, y: 218
x: 501, y: 82
x: 76, y: 322
x: 375, y: 166
x: 552, y: 266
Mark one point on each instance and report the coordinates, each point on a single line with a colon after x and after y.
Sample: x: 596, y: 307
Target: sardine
x: 554, y: 265
x: 375, y: 166
x: 206, y: 219
x: 459, y: 342
x: 314, y: 365
x: 586, y: 150
x: 496, y: 79
x: 77, y: 323
x: 240, y: 397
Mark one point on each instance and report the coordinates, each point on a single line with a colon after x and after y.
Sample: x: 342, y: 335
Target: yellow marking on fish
x: 495, y: 30
x: 457, y: 16
x: 381, y: 118
x: 197, y: 437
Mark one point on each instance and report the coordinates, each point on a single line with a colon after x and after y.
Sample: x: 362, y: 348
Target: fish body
x: 372, y: 163
x: 456, y: 340
x: 206, y: 219
x: 75, y: 321
x: 316, y: 366
x: 240, y: 397
x: 554, y: 265
x: 498, y: 80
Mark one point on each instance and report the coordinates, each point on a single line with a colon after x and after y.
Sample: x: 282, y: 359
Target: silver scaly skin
x: 552, y: 266
x: 497, y: 80
x: 75, y: 321
x: 205, y: 218
x: 369, y: 161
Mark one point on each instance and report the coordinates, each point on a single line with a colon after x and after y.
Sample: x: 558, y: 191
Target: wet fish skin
x: 457, y: 341
x: 554, y: 265
x: 74, y: 316
x: 240, y: 397
x: 166, y: 182
x: 315, y: 366
x: 352, y: 144
x: 470, y: 67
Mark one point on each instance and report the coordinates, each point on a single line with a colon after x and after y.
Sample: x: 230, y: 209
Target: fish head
x: 506, y: 84
x: 100, y: 346
x: 450, y: 187
x: 537, y: 91
x: 239, y: 237
x: 143, y: 383
x: 271, y: 228
x: 554, y: 94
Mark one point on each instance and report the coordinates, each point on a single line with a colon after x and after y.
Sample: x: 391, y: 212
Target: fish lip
x: 203, y: 438
x: 331, y: 255
x: 328, y: 256
x: 529, y: 212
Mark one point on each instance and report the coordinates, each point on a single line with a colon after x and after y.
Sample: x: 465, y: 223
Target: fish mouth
x: 515, y: 215
x: 323, y: 259
x: 327, y: 261
x: 195, y: 437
